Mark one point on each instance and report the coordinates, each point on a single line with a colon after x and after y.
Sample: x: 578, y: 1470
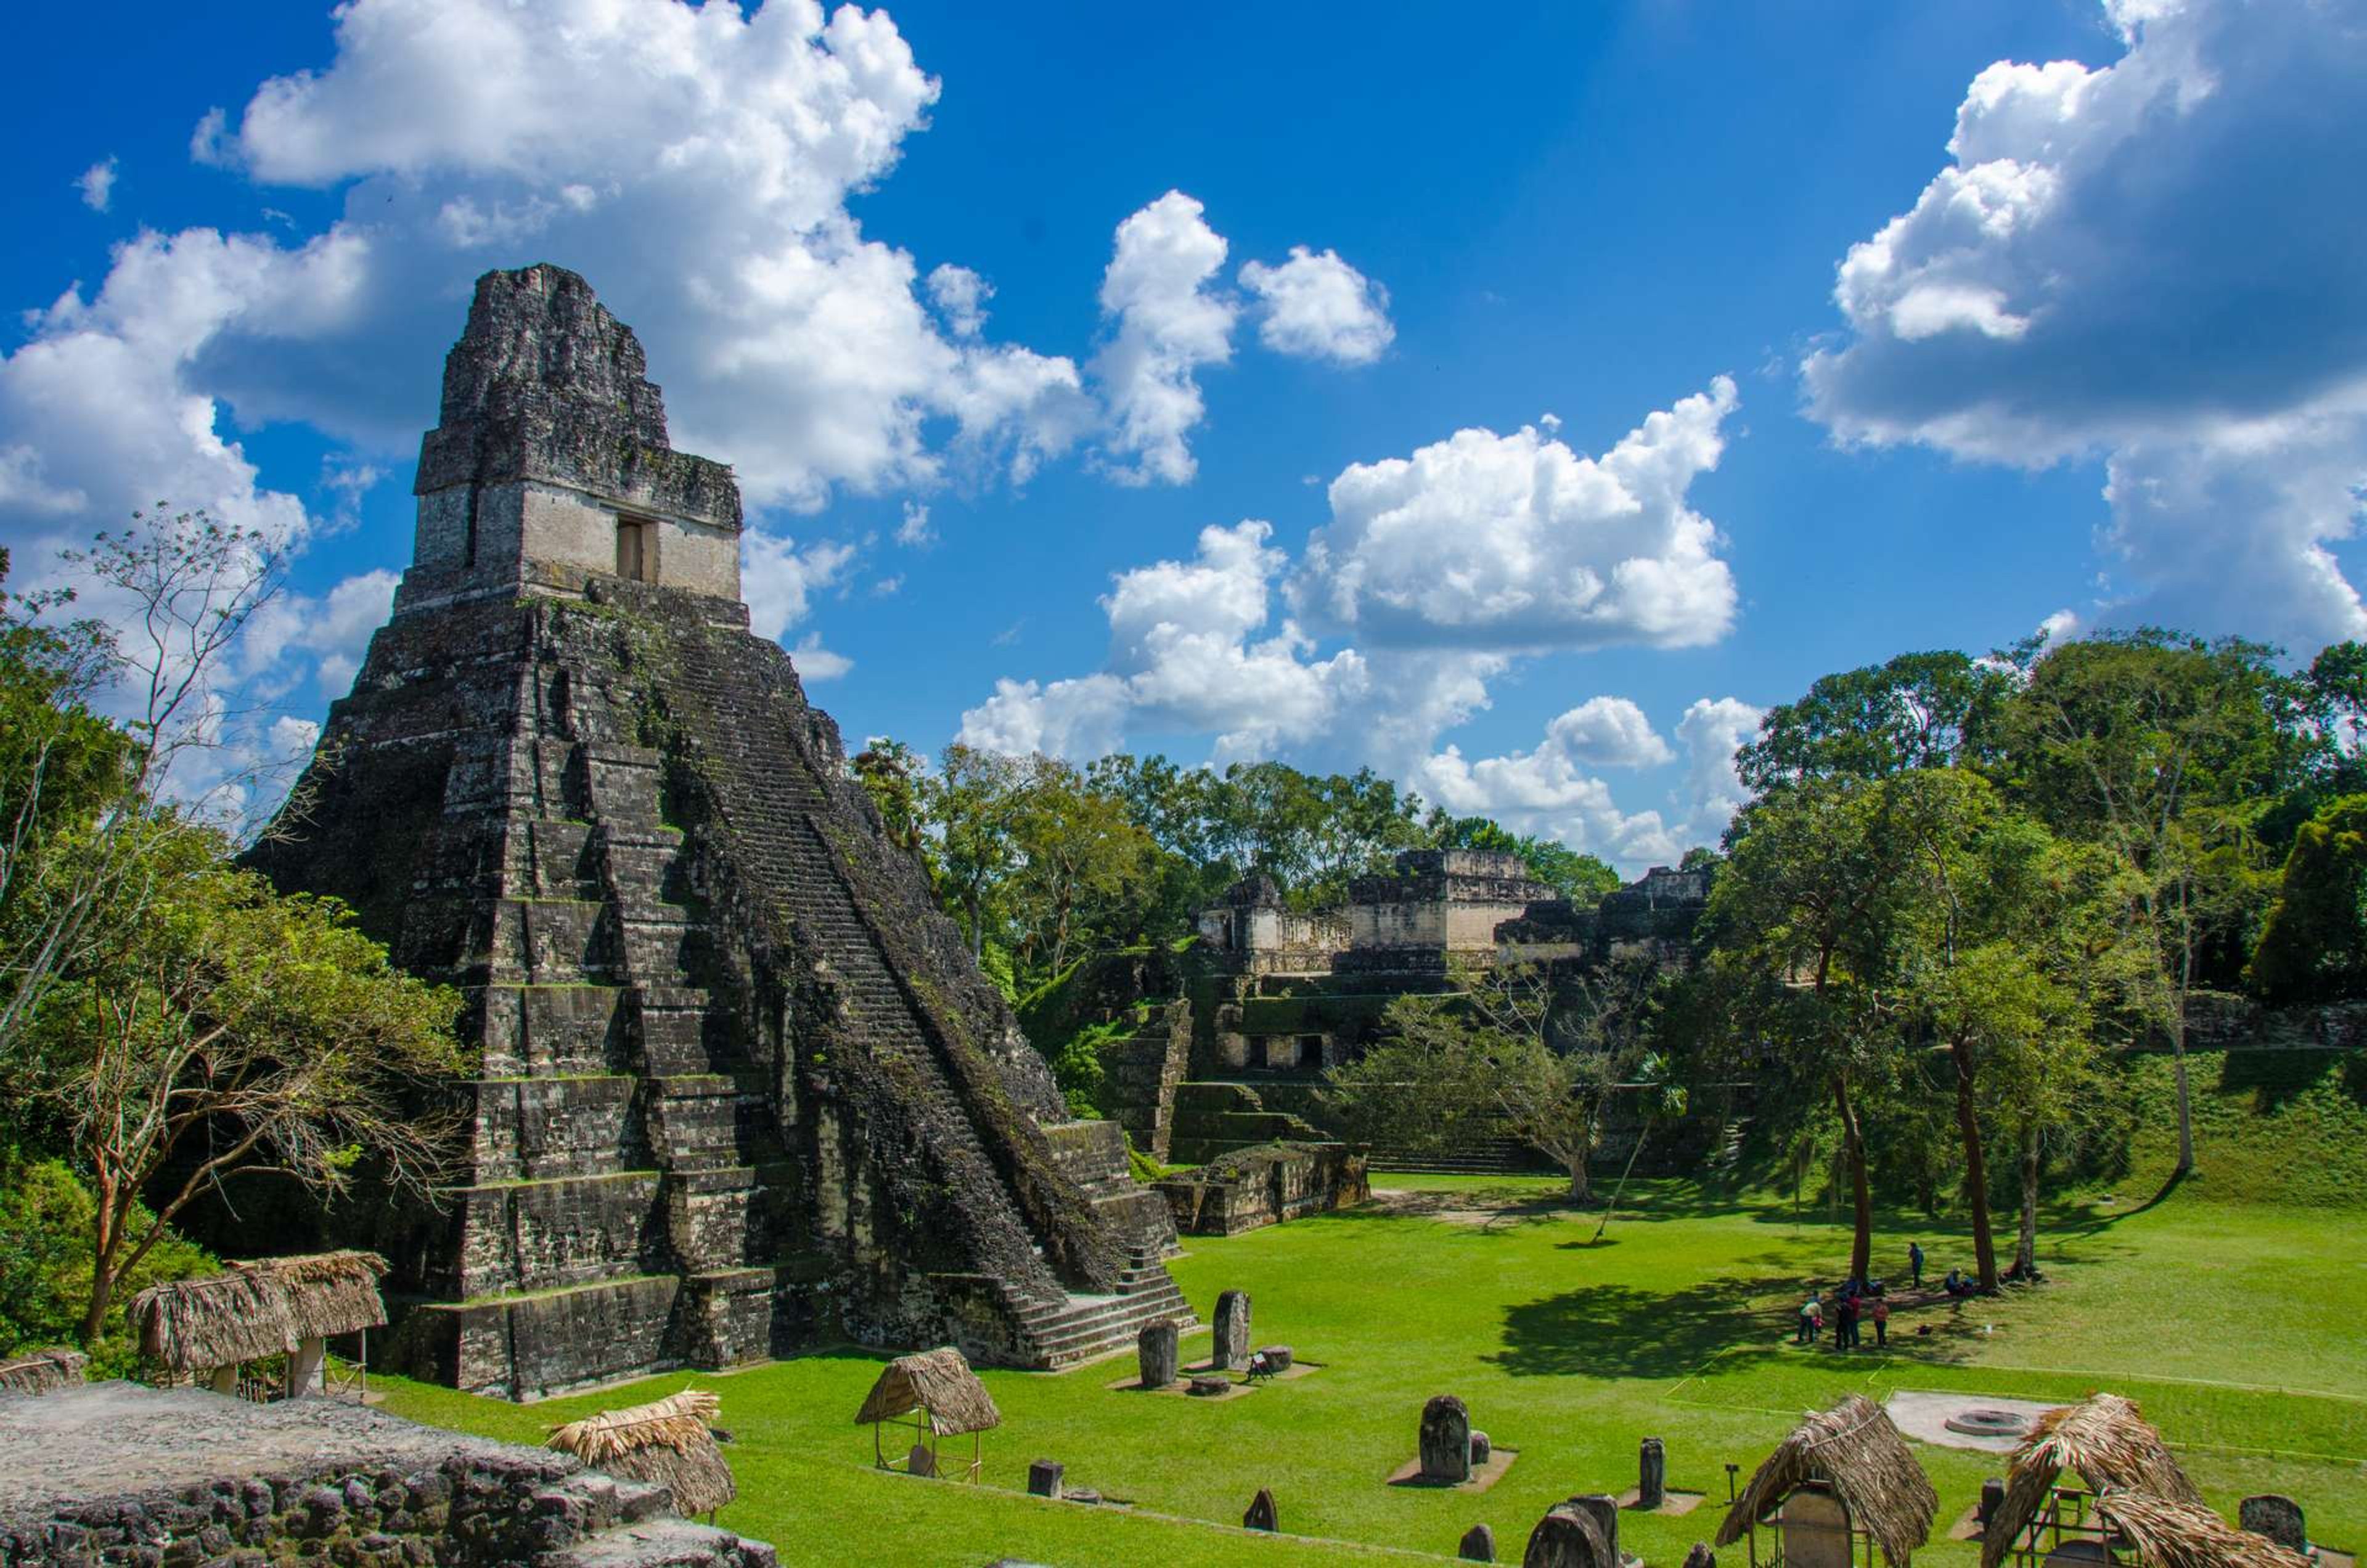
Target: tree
x: 1512, y: 1045
x: 1994, y: 956
x: 1803, y: 912
x: 890, y: 772
x: 183, y: 587
x: 1075, y: 846
x: 972, y: 802
x: 2167, y: 750
x: 2336, y: 697
x: 1919, y: 710
x: 62, y: 769
x: 1266, y: 818
x: 224, y: 1030
x: 2312, y: 946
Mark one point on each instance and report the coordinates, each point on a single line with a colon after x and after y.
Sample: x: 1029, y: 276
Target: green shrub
x: 2314, y: 946
x: 46, y: 1220
x: 1077, y: 1066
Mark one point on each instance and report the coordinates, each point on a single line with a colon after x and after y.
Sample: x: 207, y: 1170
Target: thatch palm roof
x: 938, y: 1381
x: 2107, y: 1440
x: 215, y: 1322
x: 1853, y: 1449
x: 40, y: 1371
x: 2173, y: 1533
x: 258, y: 1308
x: 328, y: 1292
x: 668, y: 1441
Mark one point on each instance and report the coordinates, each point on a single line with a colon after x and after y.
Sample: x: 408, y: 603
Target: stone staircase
x: 774, y: 821
x: 1140, y: 1074
x: 1213, y: 1119
x: 1497, y: 1155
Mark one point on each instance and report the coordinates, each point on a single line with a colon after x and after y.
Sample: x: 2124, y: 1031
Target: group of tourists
x: 1861, y: 1301
x: 1855, y: 1304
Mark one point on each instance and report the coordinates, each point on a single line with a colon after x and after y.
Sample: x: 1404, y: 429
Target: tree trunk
x: 2177, y: 1049
x: 1861, y: 1193
x: 93, y: 1320
x: 104, y: 1244
x: 1976, y: 1171
x: 2185, y: 1103
x: 1581, y: 1185
x: 2025, y: 1251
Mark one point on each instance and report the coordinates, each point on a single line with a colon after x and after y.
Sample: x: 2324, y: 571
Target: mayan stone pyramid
x: 743, y: 1088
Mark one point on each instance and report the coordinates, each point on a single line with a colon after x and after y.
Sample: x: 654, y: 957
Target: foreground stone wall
x: 1250, y: 1189
x: 135, y: 1476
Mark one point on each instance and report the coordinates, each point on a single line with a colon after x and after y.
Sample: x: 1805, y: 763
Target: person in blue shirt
x: 1915, y: 1262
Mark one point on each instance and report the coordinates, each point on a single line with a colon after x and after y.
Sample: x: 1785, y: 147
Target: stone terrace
x: 145, y: 1475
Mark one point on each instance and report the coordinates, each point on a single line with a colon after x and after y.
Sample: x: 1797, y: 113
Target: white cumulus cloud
x: 1189, y: 650
x: 1166, y: 325
x: 695, y: 164
x: 1517, y: 542
x: 2154, y: 260
x: 1318, y: 307
x: 97, y: 185
x: 1711, y: 731
x: 779, y: 581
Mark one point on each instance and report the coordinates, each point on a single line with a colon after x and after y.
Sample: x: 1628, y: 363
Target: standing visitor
x: 1812, y: 1316
x: 1881, y: 1321
x: 1845, y: 1325
x: 1915, y: 1262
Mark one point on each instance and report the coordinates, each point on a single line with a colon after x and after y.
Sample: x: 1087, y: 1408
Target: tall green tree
x: 2167, y: 750
x: 219, y: 1032
x: 973, y: 801
x: 1919, y: 710
x: 1078, y: 850
x: 1989, y: 957
x: 1502, y: 1050
x: 1802, y: 913
x: 2312, y: 946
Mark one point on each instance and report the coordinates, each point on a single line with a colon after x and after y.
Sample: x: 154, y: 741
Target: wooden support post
x: 305, y: 1366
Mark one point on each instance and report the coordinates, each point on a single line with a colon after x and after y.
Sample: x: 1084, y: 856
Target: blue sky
x: 1294, y: 422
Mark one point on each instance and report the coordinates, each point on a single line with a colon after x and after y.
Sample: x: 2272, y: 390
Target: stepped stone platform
x: 127, y: 1473
x: 742, y: 1088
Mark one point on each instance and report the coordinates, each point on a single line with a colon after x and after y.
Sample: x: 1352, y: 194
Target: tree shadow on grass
x: 1620, y: 1331
x: 2090, y: 1223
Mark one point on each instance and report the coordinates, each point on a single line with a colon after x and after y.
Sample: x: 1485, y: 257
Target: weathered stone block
x: 1157, y: 1353
x: 2276, y: 1516
x: 1232, y: 1350
x: 1651, y: 1474
x: 1445, y: 1440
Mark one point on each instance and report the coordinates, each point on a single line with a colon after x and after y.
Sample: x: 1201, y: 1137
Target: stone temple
x: 743, y: 1088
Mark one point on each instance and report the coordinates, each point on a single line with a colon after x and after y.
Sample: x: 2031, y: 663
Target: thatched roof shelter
x: 669, y: 1441
x: 1853, y: 1451
x: 937, y: 1383
x: 41, y: 1371
x: 328, y: 1292
x: 259, y: 1308
x: 219, y: 1321
x: 2107, y: 1441
x: 2171, y: 1533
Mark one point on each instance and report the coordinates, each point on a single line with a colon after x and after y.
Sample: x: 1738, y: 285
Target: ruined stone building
x: 1270, y: 996
x: 742, y: 1088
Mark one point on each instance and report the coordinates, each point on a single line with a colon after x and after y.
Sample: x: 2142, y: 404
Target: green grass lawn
x: 2239, y: 1330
